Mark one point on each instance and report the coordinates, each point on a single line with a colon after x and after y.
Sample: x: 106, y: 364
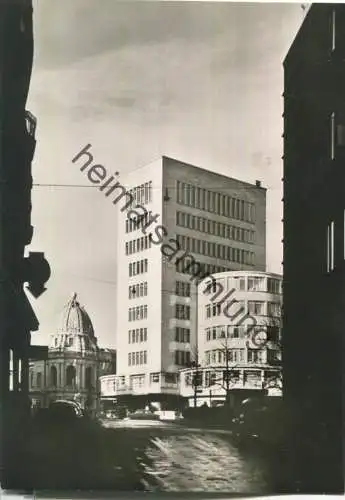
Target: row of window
x: 137, y: 313
x: 242, y: 283
x: 137, y: 358
x: 254, y: 307
x: 218, y: 356
x: 220, y: 229
x: 137, y: 335
x: 212, y: 249
x: 212, y: 310
x: 182, y: 358
x: 182, y: 311
x: 71, y: 340
x: 241, y: 331
x: 182, y: 289
x: 142, y: 195
x: 182, y: 334
x: 138, y: 267
x: 205, y: 269
x: 70, y: 380
x: 217, y: 203
x: 212, y: 378
x: 260, y: 284
x: 139, y: 222
x: 138, y: 245
x: 137, y: 290
x: 156, y: 377
x: 140, y: 335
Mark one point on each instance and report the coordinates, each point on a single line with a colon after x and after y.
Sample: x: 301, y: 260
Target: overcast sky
x: 200, y: 82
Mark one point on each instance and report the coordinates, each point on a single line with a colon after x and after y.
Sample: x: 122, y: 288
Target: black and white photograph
x: 172, y: 247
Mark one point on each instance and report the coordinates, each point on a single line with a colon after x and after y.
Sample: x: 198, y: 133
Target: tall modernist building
x: 185, y: 222
x: 239, y: 335
x: 314, y: 285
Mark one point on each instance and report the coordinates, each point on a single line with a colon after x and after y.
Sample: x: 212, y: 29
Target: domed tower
x: 75, y: 331
x: 72, y: 366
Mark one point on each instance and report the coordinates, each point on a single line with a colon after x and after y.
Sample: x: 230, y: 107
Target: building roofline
x: 166, y: 157
x: 215, y: 173
x: 297, y: 35
x: 253, y: 272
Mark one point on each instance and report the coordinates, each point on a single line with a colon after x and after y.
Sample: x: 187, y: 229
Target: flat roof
x: 249, y: 272
x: 214, y: 173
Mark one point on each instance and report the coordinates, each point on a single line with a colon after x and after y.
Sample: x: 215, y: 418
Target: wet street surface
x: 178, y: 458
x: 128, y: 455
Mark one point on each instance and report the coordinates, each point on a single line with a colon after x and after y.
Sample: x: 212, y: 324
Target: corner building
x: 314, y: 285
x: 239, y: 335
x: 216, y: 220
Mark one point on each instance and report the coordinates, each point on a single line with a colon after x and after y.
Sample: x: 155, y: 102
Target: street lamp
x: 196, y: 380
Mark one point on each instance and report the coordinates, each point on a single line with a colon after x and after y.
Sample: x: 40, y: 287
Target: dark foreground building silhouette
x: 314, y: 266
x: 17, y: 319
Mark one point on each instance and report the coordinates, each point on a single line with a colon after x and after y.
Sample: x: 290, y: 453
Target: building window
x: 332, y: 136
x: 182, y: 358
x: 234, y: 355
x: 154, y: 378
x: 273, y: 285
x: 333, y: 29
x: 138, y: 267
x: 273, y: 309
x: 70, y: 376
x: 53, y: 376
x: 137, y: 313
x: 137, y: 335
x: 242, y: 283
x: 273, y: 357
x: 88, y: 378
x: 255, y: 356
x: 39, y: 380
x: 182, y: 334
x: 182, y: 289
x: 11, y: 370
x: 256, y: 284
x: 137, y: 358
x: 137, y: 245
x: 255, y: 307
x: 182, y: 311
x: 330, y: 247
x: 137, y: 290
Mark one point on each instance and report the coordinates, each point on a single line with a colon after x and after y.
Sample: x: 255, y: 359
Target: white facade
x: 239, y: 324
x: 218, y: 220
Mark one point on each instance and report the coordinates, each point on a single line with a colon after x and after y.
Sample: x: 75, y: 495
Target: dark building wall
x: 314, y: 305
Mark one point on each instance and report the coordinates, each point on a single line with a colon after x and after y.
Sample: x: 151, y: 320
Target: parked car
x: 259, y: 419
x: 169, y: 415
x: 143, y: 415
x: 60, y: 413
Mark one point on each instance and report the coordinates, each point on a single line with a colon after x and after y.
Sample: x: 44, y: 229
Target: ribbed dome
x: 74, y: 320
